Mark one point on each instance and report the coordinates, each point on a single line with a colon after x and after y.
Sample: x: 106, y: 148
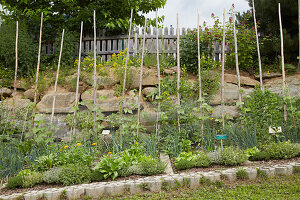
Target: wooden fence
x: 108, y: 45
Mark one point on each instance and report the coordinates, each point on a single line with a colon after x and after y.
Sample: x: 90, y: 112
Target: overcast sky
x: 187, y: 10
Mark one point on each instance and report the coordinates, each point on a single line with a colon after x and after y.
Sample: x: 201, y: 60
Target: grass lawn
x: 284, y: 187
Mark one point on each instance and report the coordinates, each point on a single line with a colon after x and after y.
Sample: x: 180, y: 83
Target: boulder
x: 149, y: 77
x: 228, y: 110
x: 107, y: 101
x: 231, y: 94
x: 71, y: 83
x: 267, y: 75
x: 106, y: 82
x: 149, y: 91
x: 292, y: 82
x: 20, y: 84
x: 19, y: 103
x: 63, y: 103
x: 29, y: 94
x: 5, y: 92
x: 230, y: 78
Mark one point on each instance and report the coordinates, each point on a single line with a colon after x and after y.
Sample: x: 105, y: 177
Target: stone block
x: 74, y: 193
x: 115, y: 189
x: 270, y: 171
x: 252, y: 173
x: 281, y: 170
x: 154, y: 185
x: 95, y: 191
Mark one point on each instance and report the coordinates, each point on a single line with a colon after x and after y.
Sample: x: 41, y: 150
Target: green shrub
x: 215, y: 157
x: 242, y: 174
x: 233, y: 156
x: 52, y: 175
x: 126, y: 171
x: 75, y: 174
x: 46, y: 162
x: 281, y: 150
x: 202, y: 160
x: 32, y: 179
x: 185, y: 160
x: 109, y: 166
x: 260, y: 156
x: 150, y: 166
x: 252, y: 151
x: 15, y: 182
x: 96, y: 176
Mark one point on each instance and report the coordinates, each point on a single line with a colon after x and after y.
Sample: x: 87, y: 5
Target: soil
x: 134, y: 177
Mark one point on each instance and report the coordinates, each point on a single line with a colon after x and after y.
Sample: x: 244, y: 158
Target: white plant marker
x: 158, y: 76
x: 282, y: 62
x: 16, y: 66
x: 223, y: 71
x: 78, y: 76
x: 258, y: 50
x: 178, y: 70
x: 125, y: 70
x: 141, y: 79
x: 57, y: 74
x: 236, y: 55
x: 95, y: 70
x: 38, y: 64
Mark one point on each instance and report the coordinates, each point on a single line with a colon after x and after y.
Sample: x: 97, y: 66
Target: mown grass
x: 284, y: 187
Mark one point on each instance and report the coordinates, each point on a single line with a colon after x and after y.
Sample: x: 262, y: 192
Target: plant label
x: 105, y: 132
x: 275, y: 129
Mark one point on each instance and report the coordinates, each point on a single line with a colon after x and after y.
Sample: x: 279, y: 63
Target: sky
x: 187, y: 11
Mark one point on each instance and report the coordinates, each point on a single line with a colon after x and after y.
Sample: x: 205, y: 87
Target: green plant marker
x: 221, y: 137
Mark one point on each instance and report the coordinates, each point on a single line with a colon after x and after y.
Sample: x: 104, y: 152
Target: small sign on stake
x: 105, y: 132
x: 275, y: 129
x: 221, y: 137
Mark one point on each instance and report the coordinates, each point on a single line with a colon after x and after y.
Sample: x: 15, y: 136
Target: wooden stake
x: 298, y: 68
x: 38, y: 64
x: 199, y: 70
x: 258, y: 50
x: 141, y: 78
x: 95, y: 70
x: 125, y: 70
x: 16, y: 66
x: 282, y: 61
x: 158, y: 76
x: 57, y: 74
x: 178, y: 69
x: 78, y: 77
x: 223, y: 71
x: 236, y: 56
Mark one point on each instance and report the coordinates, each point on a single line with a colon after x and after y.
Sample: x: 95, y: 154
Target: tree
x: 112, y: 15
x: 267, y: 15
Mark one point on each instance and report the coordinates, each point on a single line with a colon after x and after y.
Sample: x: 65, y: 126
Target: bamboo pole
x: 258, y: 50
x: 199, y: 70
x: 298, y: 68
x: 158, y: 76
x: 125, y: 70
x: 223, y: 71
x: 78, y: 77
x: 57, y: 74
x: 95, y: 70
x: 141, y: 79
x: 16, y: 66
x: 236, y: 55
x: 282, y: 61
x: 38, y: 64
x: 178, y: 70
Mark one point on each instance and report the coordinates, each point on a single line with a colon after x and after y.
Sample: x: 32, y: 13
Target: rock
x: 63, y: 104
x: 231, y: 94
x: 292, y: 82
x: 71, y: 83
x: 267, y: 75
x: 5, y: 92
x: 19, y: 103
x: 230, y: 78
x: 29, y: 94
x: 148, y: 91
x: 175, y: 69
x: 228, y: 110
x: 104, y: 81
x: 20, y: 84
x: 169, y: 71
x: 149, y: 77
x: 109, y: 102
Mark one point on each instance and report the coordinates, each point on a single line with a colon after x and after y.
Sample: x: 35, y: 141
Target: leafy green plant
x: 52, y: 175
x: 281, y: 150
x: 73, y: 174
x: 157, y: 167
x: 185, y: 160
x: 261, y: 174
x: 215, y: 157
x: 109, y: 166
x: 251, y: 151
x: 202, y: 160
x: 96, y: 176
x: 233, y: 156
x: 15, y: 182
x: 32, y: 179
x: 46, y: 162
x: 260, y: 156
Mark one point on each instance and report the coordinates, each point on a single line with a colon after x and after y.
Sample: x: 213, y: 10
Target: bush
x: 46, y: 162
x: 109, y: 166
x: 281, y: 150
x: 260, y: 156
x: 150, y: 166
x: 202, y: 160
x: 32, y: 179
x: 215, y: 157
x: 96, y: 176
x: 242, y: 174
x: 15, y: 182
x: 52, y: 175
x: 233, y: 156
x: 73, y: 174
